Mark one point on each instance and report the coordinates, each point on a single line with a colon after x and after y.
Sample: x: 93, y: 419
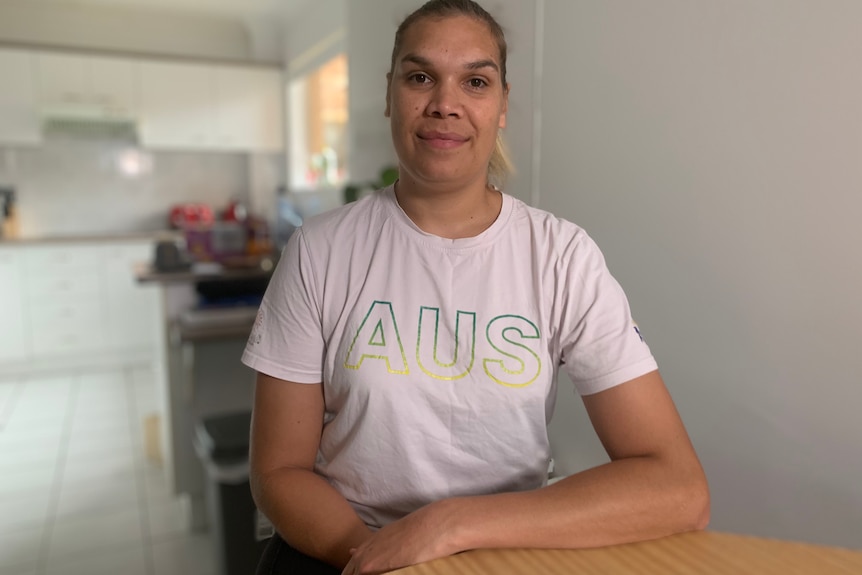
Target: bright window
x: 318, y: 127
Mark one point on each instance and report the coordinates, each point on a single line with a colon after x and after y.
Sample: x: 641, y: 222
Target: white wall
x: 78, y: 188
x: 313, y: 35
x: 123, y: 30
x: 370, y: 32
x: 713, y: 149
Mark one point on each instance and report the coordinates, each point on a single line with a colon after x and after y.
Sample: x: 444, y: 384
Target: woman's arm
x: 653, y: 486
x: 285, y: 435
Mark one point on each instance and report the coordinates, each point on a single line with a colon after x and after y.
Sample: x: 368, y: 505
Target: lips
x: 449, y: 136
x: 442, y: 140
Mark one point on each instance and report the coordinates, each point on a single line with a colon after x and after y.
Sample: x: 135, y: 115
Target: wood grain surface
x: 704, y: 552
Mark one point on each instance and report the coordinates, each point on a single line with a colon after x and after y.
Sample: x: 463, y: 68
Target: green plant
x: 388, y: 176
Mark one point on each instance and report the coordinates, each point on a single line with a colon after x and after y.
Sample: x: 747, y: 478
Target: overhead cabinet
x: 89, y: 87
x: 249, y: 108
x: 188, y: 106
x: 175, y: 105
x: 19, y: 115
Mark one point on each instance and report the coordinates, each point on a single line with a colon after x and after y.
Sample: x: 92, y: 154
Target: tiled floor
x: 78, y: 495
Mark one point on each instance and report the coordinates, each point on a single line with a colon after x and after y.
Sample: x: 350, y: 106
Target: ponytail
x: 500, y: 168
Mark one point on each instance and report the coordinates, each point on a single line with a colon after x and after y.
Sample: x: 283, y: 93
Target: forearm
x: 627, y: 500
x: 309, y: 514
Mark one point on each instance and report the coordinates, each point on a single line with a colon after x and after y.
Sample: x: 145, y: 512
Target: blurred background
x: 155, y: 156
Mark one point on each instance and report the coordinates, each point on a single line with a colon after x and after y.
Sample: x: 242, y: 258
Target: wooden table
x: 705, y: 552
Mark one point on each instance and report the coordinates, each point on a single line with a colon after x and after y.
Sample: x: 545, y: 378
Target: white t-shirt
x: 439, y: 357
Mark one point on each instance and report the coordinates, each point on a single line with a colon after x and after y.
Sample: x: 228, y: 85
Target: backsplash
x: 105, y: 187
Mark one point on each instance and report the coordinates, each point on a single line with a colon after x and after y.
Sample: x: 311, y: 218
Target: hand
x: 421, y: 536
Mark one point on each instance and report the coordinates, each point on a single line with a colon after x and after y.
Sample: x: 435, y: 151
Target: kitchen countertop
x: 201, y: 272
x: 216, y: 323
x: 88, y: 238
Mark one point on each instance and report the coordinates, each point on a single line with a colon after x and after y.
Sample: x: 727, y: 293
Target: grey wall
x: 714, y: 150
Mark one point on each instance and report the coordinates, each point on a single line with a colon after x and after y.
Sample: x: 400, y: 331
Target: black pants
x: 279, y: 558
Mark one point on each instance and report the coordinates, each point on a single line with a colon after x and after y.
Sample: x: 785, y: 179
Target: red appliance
x: 184, y: 215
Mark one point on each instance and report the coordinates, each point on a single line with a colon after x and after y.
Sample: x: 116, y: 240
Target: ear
x: 505, y: 109
x: 386, y: 113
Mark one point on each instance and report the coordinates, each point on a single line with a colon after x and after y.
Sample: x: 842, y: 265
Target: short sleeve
x: 600, y: 344
x: 286, y: 341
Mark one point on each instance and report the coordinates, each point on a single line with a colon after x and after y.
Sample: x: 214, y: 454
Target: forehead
x: 450, y: 38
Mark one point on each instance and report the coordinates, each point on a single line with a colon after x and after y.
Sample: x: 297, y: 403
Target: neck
x: 452, y: 214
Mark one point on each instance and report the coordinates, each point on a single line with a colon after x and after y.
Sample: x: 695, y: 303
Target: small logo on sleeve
x: 638, y: 331
x: 257, y: 330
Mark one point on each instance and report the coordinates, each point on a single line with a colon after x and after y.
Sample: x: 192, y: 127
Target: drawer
x: 49, y: 342
x: 60, y: 287
x: 47, y: 260
x: 74, y: 315
x: 125, y: 254
x: 10, y: 257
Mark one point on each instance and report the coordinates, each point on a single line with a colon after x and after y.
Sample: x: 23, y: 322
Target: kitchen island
x: 207, y: 313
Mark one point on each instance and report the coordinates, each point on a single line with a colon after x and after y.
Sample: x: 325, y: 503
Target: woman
x: 409, y: 343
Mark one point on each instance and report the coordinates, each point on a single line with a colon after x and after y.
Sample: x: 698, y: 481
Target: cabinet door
x: 62, y: 80
x: 177, y: 106
x: 132, y: 309
x: 113, y: 85
x: 65, y: 300
x: 250, y: 104
x: 19, y: 117
x: 13, y: 335
x: 87, y: 85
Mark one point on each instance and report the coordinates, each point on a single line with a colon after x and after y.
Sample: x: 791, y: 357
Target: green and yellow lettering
x: 378, y: 338
x: 510, y: 335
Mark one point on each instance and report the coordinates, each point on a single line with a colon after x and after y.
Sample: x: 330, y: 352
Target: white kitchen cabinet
x: 177, y: 106
x: 64, y: 300
x: 13, y: 329
x: 207, y: 107
x: 74, y: 305
x: 132, y: 309
x: 19, y: 116
x: 88, y: 86
x: 114, y: 84
x: 249, y: 104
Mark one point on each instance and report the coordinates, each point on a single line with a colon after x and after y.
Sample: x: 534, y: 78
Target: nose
x: 445, y: 100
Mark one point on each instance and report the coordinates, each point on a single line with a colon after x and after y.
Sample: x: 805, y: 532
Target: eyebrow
x: 426, y: 63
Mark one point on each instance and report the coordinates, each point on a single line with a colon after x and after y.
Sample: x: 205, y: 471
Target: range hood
x: 87, y: 123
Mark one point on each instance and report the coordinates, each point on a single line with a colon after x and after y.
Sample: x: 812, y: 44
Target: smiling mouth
x: 442, y: 140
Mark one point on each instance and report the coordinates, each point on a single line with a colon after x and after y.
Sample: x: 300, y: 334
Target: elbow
x: 697, y: 505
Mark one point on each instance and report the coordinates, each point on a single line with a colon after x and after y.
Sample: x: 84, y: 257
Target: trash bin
x: 221, y: 442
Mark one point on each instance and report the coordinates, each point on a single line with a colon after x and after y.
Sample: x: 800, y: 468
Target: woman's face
x: 446, y: 101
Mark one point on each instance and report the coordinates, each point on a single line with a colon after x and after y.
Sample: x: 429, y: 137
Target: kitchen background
x: 712, y: 149
x: 83, y: 187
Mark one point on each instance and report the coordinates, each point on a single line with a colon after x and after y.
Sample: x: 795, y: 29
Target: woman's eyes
x: 419, y: 78
x: 423, y: 79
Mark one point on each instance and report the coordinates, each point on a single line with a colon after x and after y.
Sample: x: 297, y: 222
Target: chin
x: 437, y: 176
